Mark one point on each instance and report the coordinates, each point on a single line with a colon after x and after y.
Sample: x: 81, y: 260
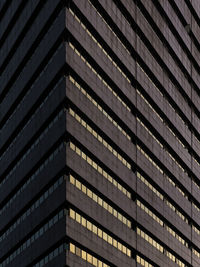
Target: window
x: 101, y: 202
x: 100, y: 139
x: 86, y: 256
x: 100, y: 170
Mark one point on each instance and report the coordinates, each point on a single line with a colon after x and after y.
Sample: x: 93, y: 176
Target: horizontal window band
x: 101, y: 170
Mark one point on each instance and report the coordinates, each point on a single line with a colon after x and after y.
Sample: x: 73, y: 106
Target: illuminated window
x: 101, y: 79
x: 102, y: 172
x: 100, y: 46
x: 100, y: 108
x: 86, y: 256
x: 97, y: 231
x: 103, y: 204
x: 104, y: 142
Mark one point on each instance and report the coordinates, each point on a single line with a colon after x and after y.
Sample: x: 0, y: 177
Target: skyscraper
x: 99, y: 133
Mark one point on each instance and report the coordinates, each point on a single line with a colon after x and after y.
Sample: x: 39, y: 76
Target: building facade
x: 100, y: 133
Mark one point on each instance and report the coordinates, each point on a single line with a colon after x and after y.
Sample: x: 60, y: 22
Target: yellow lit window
x: 94, y: 229
x: 78, y: 184
x: 72, y: 146
x: 89, y: 193
x: 72, y: 214
x: 84, y: 156
x: 100, y: 201
x: 78, y: 218
x: 110, y: 240
x: 78, y: 252
x: 105, y: 236
x: 89, y: 226
x: 84, y: 190
x: 84, y: 223
x: 95, y: 261
x: 89, y: 258
x: 84, y: 256
x: 105, y: 205
x: 72, y: 248
x: 72, y: 180
x: 95, y: 197
x: 100, y: 234
x: 115, y: 243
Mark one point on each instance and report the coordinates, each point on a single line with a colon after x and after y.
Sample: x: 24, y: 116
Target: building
x: 99, y: 133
